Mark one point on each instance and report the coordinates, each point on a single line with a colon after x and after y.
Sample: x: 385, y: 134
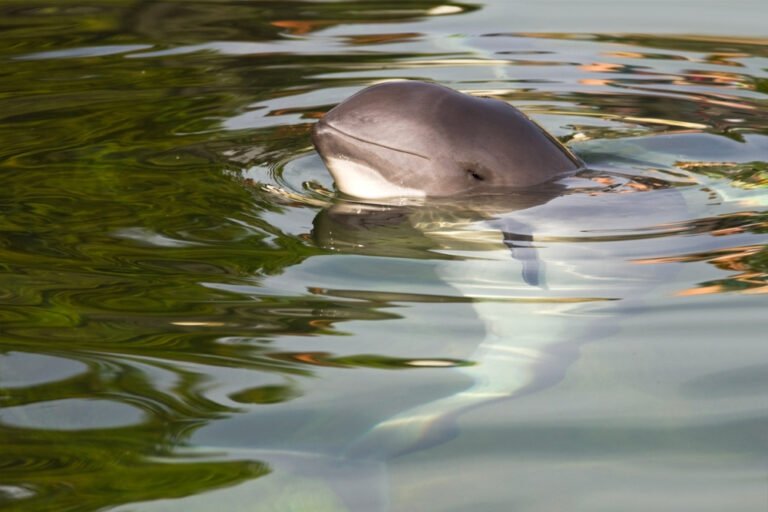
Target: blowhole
x: 475, y: 175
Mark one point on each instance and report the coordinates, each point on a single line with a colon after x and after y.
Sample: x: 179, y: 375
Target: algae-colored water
x: 190, y: 319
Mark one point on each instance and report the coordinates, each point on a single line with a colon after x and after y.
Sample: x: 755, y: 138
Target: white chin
x: 359, y: 180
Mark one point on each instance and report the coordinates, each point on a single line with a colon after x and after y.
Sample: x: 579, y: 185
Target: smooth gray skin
x: 418, y: 139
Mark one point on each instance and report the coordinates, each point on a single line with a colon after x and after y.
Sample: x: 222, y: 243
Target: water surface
x: 191, y: 318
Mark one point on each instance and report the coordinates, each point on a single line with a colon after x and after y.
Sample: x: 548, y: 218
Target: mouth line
x: 364, y: 141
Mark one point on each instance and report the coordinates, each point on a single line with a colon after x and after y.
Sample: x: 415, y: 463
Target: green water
x: 191, y: 320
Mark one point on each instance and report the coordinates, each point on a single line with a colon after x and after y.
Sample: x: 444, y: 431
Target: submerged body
x: 545, y: 276
x: 414, y: 139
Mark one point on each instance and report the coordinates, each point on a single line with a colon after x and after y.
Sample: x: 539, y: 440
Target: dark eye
x: 475, y: 175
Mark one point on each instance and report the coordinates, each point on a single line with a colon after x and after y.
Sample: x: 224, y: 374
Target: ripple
x: 16, y: 492
x: 85, y: 51
x: 305, y: 179
x: 367, y: 361
x: 265, y: 395
x: 21, y: 369
x: 26, y: 461
x: 72, y: 414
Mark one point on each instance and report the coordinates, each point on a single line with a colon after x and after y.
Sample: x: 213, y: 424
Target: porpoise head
x: 415, y: 139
